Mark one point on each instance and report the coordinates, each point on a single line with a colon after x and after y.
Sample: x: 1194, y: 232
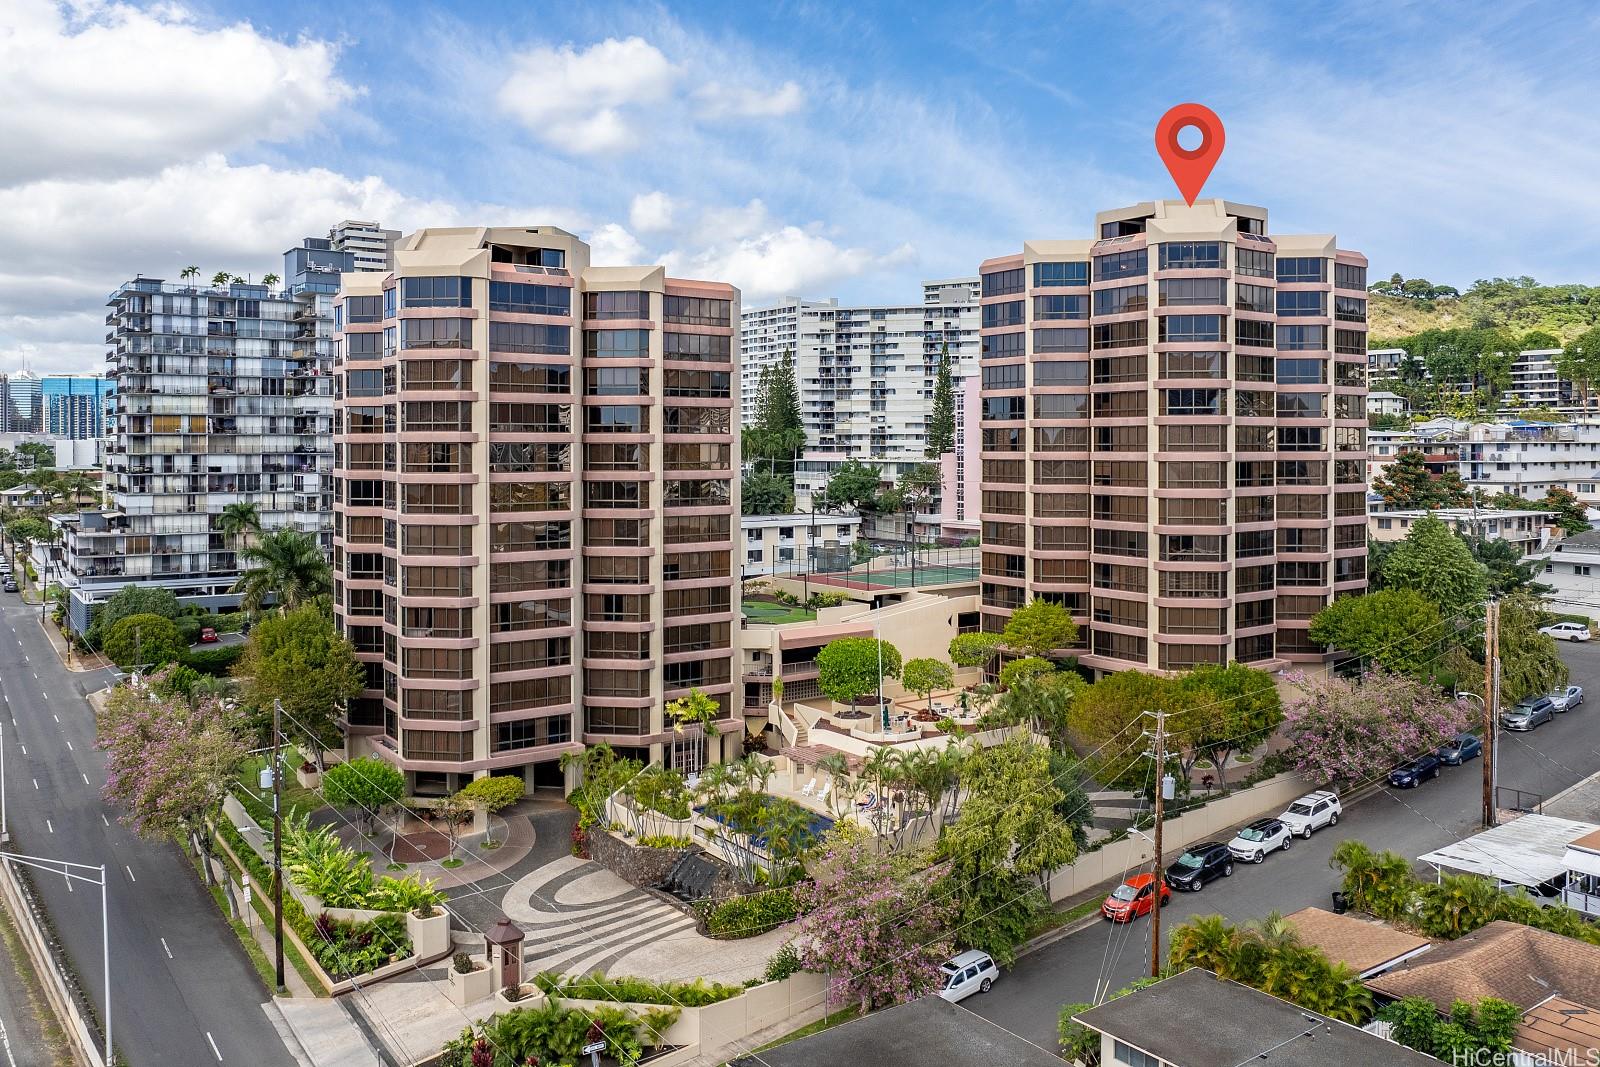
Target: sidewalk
x: 81, y: 664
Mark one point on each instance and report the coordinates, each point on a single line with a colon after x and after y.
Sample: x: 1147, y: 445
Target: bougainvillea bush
x: 1351, y: 730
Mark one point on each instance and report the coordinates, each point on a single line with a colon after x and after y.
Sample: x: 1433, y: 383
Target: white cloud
x: 63, y: 254
x: 612, y: 246
x: 590, y: 101
x: 784, y: 260
x: 718, y: 100
x: 651, y: 212
x: 110, y: 89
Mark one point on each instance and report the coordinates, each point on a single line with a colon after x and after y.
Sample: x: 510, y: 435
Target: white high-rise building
x: 865, y: 372
x: 370, y: 243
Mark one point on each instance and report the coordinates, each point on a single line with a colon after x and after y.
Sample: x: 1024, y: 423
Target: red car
x: 208, y: 634
x: 1132, y: 899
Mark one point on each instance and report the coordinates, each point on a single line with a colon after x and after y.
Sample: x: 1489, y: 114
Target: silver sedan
x: 1568, y: 698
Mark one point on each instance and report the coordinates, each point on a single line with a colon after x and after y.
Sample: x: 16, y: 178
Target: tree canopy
x: 1530, y: 663
x: 299, y: 658
x: 923, y: 676
x: 1397, y: 628
x: 848, y: 667
x: 1406, y: 484
x: 131, y: 600
x: 285, y: 566
x: 853, y: 486
x: 942, y: 421
x: 1439, y: 565
x: 1345, y: 730
x: 367, y: 784
x: 973, y: 649
x: 144, y: 641
x: 1039, y: 628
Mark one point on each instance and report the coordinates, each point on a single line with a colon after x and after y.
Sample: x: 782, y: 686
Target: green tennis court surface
x: 899, y: 577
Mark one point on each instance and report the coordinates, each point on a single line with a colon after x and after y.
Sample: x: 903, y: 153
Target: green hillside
x: 1401, y: 308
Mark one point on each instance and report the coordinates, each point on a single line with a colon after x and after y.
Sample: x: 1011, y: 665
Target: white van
x: 969, y: 973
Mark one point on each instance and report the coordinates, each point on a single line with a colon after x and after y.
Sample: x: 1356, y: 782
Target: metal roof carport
x: 1528, y: 851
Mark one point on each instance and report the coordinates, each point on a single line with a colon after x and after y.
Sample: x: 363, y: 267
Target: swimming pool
x: 819, y: 824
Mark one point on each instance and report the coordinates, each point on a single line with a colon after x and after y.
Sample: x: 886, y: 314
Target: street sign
x: 594, y: 1046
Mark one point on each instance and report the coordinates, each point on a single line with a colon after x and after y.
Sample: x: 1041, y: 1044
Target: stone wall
x: 646, y: 867
x: 642, y: 867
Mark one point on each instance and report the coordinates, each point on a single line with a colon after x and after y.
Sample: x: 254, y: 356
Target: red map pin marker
x: 1190, y: 167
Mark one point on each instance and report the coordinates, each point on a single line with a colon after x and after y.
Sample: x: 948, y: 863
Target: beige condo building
x: 1174, y: 435
x: 536, y: 510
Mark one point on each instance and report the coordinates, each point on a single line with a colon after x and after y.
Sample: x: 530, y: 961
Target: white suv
x: 969, y: 973
x: 1567, y: 631
x: 1312, y: 812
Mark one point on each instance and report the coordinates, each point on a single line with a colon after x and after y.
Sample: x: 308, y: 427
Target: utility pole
x: 1491, y: 704
x: 1157, y: 886
x: 277, y: 842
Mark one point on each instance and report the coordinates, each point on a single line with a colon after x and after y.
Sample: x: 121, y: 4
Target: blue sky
x: 790, y: 148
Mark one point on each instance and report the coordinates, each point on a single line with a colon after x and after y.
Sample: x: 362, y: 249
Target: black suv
x: 1199, y: 864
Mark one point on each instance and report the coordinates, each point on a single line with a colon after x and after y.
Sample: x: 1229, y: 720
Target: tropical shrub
x: 626, y: 990
x: 664, y: 841
x: 341, y: 877
x: 784, y: 962
x: 753, y: 914
x: 216, y: 661
x: 345, y: 949
x: 1270, y: 957
x: 554, y: 1034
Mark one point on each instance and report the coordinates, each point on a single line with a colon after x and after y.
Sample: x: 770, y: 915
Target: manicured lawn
x: 844, y: 1015
x: 762, y: 612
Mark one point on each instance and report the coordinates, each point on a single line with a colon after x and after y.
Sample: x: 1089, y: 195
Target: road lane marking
x: 56, y: 717
x: 24, y: 747
x: 164, y: 945
x: 86, y: 782
x: 214, y: 1051
x: 5, y: 1040
x: 104, y: 819
x: 69, y: 745
x: 36, y: 783
x: 48, y: 825
x: 131, y: 878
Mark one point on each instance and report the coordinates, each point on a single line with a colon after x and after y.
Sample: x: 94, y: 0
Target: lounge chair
x: 807, y: 789
x: 868, y: 804
x: 826, y: 789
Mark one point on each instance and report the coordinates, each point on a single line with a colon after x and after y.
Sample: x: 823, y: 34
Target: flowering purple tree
x: 1349, y: 731
x: 872, y: 923
x: 167, y: 764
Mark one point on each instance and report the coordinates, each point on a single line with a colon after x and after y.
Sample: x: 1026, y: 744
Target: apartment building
x: 222, y: 395
x: 793, y: 544
x: 1535, y: 381
x: 1530, y: 532
x: 536, y: 505
x: 371, y: 247
x: 1174, y: 434
x: 1572, y: 570
x: 74, y: 406
x: 1516, y: 456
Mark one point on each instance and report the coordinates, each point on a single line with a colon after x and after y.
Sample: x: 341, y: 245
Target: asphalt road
x: 183, y: 991
x: 1411, y: 822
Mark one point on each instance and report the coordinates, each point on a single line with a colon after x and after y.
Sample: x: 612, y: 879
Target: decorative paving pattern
x: 580, y: 918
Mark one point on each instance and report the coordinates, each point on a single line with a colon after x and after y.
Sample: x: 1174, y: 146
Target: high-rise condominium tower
x: 536, y: 505
x: 73, y: 406
x: 1174, y: 435
x: 223, y: 395
x: 369, y: 244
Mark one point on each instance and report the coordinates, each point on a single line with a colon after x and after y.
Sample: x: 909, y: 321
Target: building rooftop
x: 1529, y: 850
x: 1559, y: 1031
x: 1363, y: 945
x: 1506, y: 960
x: 1196, y: 1019
x: 923, y: 1032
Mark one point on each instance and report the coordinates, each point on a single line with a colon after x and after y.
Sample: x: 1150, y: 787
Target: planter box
x: 471, y: 987
x: 532, y: 998
x: 430, y: 937
x: 308, y: 779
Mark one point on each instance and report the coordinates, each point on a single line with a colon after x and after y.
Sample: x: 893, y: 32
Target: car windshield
x: 1123, y: 892
x: 1190, y: 860
x: 1250, y: 833
x: 1294, y: 809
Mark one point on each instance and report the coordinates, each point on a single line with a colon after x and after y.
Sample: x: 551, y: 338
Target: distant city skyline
x: 790, y: 150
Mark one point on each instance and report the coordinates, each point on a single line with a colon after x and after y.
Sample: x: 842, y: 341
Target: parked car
x: 1200, y: 864
x: 1262, y: 836
x: 208, y: 635
x: 1566, y: 699
x: 1568, y: 631
x: 1459, y: 749
x: 1133, y: 898
x: 1312, y: 812
x: 1534, y: 711
x: 970, y: 972
x: 10, y: 586
x: 1413, y: 773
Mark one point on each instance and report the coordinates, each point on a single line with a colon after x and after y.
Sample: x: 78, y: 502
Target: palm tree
x: 78, y: 485
x: 1457, y: 905
x: 1205, y: 941
x: 269, y: 280
x: 189, y: 273
x: 239, y: 521
x: 221, y: 278
x: 288, y: 565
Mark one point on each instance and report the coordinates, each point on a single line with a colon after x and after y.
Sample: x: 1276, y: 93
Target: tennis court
x: 899, y: 577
